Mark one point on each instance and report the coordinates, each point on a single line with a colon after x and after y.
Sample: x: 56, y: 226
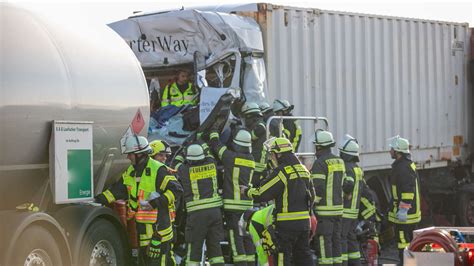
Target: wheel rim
x: 38, y: 257
x: 103, y: 253
x: 470, y: 211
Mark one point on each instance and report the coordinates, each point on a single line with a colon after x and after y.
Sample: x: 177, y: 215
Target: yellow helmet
x: 160, y: 146
x: 279, y: 145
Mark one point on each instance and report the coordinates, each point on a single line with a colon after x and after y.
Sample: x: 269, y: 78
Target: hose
x: 441, y: 238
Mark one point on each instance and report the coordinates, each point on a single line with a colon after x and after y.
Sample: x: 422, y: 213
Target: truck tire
x: 37, y: 246
x: 466, y: 209
x: 102, y: 245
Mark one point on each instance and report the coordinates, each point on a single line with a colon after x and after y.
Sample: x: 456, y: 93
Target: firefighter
x: 405, y: 213
x: 259, y: 224
x: 239, y: 166
x: 198, y: 174
x: 149, y: 189
x: 352, y: 188
x: 368, y: 210
x: 266, y: 111
x: 180, y: 92
x: 161, y: 150
x: 289, y: 185
x: 254, y: 123
x: 291, y: 128
x: 327, y: 175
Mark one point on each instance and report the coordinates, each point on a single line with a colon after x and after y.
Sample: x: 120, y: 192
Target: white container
x: 373, y: 77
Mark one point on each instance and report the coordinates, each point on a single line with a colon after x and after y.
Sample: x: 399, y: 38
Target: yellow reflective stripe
x: 291, y: 216
x: 289, y: 169
x: 297, y: 135
x: 244, y: 162
x: 195, y: 189
x: 214, y: 135
x: 394, y: 192
x: 215, y: 260
x: 329, y: 188
x: 203, y: 204
x: 337, y: 260
x: 355, y: 195
x: 250, y: 258
x: 265, y: 187
x: 408, y: 196
x: 235, y: 182
x: 109, y: 196
x: 345, y: 257
x: 330, y: 213
x: 189, y: 262
x: 221, y: 151
x: 165, y: 101
x: 259, y: 167
x: 403, y: 243
x: 232, y: 243
x: 413, y: 166
x: 350, y: 213
x: 412, y: 218
x: 285, y: 192
x: 353, y: 255
x: 323, y: 260
x: 165, y: 231
x: 144, y: 243
x: 169, y: 195
x: 231, y: 204
x: 166, y: 180
x: 214, y: 187
x: 318, y: 176
x: 280, y: 259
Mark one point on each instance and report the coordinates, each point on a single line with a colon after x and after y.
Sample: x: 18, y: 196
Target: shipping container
x: 372, y: 76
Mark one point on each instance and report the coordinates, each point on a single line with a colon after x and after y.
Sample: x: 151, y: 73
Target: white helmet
x: 264, y: 107
x: 243, y: 138
x: 399, y: 144
x: 281, y: 105
x: 195, y: 152
x: 323, y: 138
x: 350, y: 146
x: 250, y: 108
x: 136, y: 144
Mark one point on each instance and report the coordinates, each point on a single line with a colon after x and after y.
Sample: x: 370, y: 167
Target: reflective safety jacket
x: 327, y: 174
x: 262, y: 233
x: 289, y: 185
x: 405, y: 187
x: 351, y: 204
x: 173, y: 95
x: 137, y: 185
x: 238, y: 170
x: 292, y: 131
x: 200, y: 186
x: 258, y: 151
x: 367, y: 207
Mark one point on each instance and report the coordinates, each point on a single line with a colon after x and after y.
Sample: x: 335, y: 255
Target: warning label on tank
x: 71, y: 161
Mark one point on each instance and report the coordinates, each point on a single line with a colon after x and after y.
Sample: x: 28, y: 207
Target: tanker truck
x: 60, y: 78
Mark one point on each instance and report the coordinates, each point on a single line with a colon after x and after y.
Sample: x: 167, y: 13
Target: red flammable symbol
x: 138, y: 122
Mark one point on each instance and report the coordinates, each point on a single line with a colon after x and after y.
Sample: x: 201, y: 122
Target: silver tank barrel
x: 52, y: 70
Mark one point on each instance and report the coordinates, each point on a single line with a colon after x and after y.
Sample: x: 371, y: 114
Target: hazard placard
x: 138, y: 122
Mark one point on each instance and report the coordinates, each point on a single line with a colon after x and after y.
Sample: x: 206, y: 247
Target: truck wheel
x: 102, y: 245
x: 36, y: 246
x: 466, y: 209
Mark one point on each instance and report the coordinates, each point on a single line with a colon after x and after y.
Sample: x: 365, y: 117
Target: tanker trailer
x: 55, y: 72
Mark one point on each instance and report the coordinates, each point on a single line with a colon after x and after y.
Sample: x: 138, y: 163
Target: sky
x: 109, y: 11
